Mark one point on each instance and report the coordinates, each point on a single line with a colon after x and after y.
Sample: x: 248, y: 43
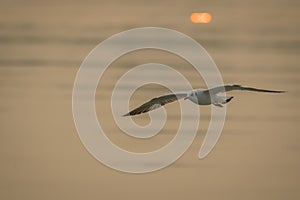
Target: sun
x: 203, y: 18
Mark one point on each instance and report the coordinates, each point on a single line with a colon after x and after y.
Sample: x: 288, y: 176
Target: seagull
x: 197, y: 96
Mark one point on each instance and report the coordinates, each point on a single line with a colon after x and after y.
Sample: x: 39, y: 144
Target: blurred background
x: 254, y: 43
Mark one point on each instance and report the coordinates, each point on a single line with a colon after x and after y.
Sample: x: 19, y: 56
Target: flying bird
x: 197, y: 96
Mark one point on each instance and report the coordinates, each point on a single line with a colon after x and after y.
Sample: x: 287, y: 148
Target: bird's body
x: 197, y: 96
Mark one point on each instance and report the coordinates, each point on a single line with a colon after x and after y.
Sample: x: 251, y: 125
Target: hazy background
x: 42, y: 44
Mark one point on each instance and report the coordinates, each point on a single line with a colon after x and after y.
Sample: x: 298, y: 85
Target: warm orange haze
x: 253, y: 43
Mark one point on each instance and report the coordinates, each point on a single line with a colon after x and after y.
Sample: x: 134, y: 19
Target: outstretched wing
x: 156, y: 103
x: 227, y: 88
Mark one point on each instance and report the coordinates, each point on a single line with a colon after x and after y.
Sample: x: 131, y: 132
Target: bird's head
x: 190, y: 95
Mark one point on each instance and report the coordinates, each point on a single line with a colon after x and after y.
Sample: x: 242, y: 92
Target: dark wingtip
x: 125, y: 115
x: 279, y: 91
x: 229, y: 99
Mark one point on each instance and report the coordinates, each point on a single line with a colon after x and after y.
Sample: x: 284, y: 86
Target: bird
x: 197, y: 96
